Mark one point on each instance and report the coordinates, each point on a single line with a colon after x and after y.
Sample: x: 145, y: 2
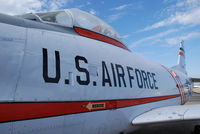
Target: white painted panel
x: 53, y: 125
x: 6, y: 128
x: 96, y: 51
x: 32, y: 86
x: 12, y: 41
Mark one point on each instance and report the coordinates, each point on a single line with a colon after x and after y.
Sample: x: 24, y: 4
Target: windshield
x: 78, y: 18
x: 59, y: 17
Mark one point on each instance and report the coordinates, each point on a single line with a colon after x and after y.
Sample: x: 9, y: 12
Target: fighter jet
x: 69, y: 72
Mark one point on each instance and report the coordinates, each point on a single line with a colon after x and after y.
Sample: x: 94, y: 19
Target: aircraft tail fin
x: 181, y: 59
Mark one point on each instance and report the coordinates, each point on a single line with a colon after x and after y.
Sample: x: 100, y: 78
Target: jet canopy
x: 78, y: 18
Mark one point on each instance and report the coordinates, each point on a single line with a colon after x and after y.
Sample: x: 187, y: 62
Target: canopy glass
x: 78, y: 18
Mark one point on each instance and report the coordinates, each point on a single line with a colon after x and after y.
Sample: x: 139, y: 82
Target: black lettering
x: 139, y: 78
x: 94, y: 83
x: 149, y: 80
x: 154, y: 80
x: 45, y: 67
x: 104, y: 74
x: 114, y: 77
x: 66, y: 81
x: 144, y: 75
x: 84, y: 70
x: 120, y: 75
x: 98, y: 105
x: 130, y: 76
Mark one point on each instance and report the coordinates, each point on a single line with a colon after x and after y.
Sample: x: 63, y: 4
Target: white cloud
x: 125, y: 36
x: 83, y: 5
x: 180, y: 6
x: 80, y: 6
x: 92, y: 11
x: 191, y: 18
x: 120, y: 7
x: 188, y: 4
x: 13, y: 7
x: 56, y: 4
x: 88, y: 3
x: 176, y: 40
x: 115, y: 17
x: 183, y: 12
x: 18, y: 7
x: 154, y: 38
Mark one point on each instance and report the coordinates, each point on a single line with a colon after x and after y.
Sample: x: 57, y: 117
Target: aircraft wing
x: 168, y: 114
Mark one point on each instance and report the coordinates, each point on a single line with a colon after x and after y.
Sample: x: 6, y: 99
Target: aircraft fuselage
x: 55, y: 81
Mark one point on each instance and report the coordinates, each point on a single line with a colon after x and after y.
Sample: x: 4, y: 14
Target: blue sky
x: 152, y: 28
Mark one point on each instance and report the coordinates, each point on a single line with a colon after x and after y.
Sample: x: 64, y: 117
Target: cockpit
x: 80, y: 21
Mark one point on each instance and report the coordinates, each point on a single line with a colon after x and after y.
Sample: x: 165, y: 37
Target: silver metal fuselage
x: 43, y: 63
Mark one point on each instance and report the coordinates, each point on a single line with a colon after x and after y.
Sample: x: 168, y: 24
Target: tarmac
x: 184, y: 128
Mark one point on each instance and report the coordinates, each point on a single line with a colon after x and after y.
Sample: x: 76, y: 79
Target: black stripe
x: 182, y: 49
